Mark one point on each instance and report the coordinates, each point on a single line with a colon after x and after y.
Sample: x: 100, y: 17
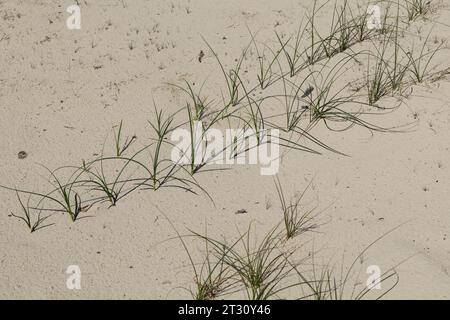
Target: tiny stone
x: 22, y: 155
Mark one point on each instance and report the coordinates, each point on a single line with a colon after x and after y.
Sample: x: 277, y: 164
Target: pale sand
x: 58, y: 108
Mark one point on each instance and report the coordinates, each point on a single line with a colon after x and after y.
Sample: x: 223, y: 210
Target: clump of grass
x: 265, y: 74
x: 322, y: 285
x: 419, y: 64
x: 98, y: 181
x: 255, y: 120
x: 377, y: 81
x: 292, y: 53
x: 121, y: 147
x: 322, y: 282
x: 315, y: 52
x: 160, y: 171
x: 231, y: 76
x: 390, y: 71
x: 262, y: 269
x: 196, y: 133
x: 64, y: 195
x: 295, y: 221
x: 265, y: 270
x: 386, y: 17
x: 294, y: 111
x: 328, y: 104
x: 199, y: 103
x: 417, y: 8
x: 213, y: 279
x: 31, y: 216
x: 344, y: 30
x: 164, y: 172
x: 67, y: 192
x: 359, y: 25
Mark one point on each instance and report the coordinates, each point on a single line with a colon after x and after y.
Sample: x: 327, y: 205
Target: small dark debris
x: 22, y: 155
x: 200, y: 56
x: 241, y: 211
x: 307, y: 92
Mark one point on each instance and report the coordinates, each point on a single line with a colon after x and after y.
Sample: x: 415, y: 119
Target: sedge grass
x: 213, y: 279
x: 121, y: 147
x: 417, y: 8
x: 419, y: 65
x: 262, y: 268
x: 389, y: 73
x: 295, y: 222
x: 31, y: 216
x: 231, y: 76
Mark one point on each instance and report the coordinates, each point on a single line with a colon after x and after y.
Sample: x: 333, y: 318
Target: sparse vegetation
x: 296, y: 222
x: 265, y: 269
x: 304, y: 73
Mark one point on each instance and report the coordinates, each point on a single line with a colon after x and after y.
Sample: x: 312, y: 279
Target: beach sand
x: 62, y: 91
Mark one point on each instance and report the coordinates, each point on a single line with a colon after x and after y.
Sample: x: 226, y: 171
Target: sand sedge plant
x: 419, y: 65
x: 232, y: 76
x: 196, y: 132
x: 63, y: 195
x: 322, y: 282
x: 359, y: 25
x: 324, y: 103
x: 321, y: 285
x: 344, y: 31
x: 330, y: 43
x: 387, y: 275
x: 256, y: 118
x: 263, y: 269
x: 200, y: 104
x: 195, y: 155
x: 397, y: 73
x: 213, y: 279
x: 295, y: 222
x: 34, y: 221
x: 67, y: 192
x: 165, y: 172
x: 294, y: 110
x: 161, y: 128
x: 265, y: 72
x: 121, y: 147
x: 386, y: 22
x: 417, y: 8
x: 389, y: 73
x: 315, y: 53
x: 293, y: 53
x: 99, y: 182
x: 377, y: 83
x: 117, y: 187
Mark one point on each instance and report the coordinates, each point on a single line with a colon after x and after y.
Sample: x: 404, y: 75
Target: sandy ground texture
x: 62, y: 91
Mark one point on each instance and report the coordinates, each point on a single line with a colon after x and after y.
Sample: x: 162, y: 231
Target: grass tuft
x: 295, y: 222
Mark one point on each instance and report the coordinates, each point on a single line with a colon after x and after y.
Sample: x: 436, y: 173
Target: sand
x: 61, y: 92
